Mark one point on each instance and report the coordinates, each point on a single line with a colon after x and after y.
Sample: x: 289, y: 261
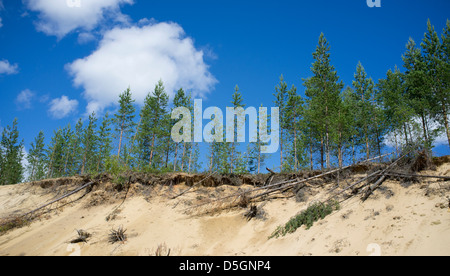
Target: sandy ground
x: 394, y: 221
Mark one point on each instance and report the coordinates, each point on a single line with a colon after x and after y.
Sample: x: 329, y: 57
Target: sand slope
x: 394, y: 221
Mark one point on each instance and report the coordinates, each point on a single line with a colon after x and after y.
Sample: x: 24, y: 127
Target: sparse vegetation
x: 12, y: 223
x: 117, y: 235
x: 83, y: 236
x: 313, y: 213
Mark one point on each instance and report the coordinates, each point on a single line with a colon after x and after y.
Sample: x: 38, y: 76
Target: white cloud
x: 84, y: 38
x: 7, y: 68
x: 1, y: 25
x: 23, y: 100
x: 139, y: 57
x: 64, y: 16
x: 62, y: 107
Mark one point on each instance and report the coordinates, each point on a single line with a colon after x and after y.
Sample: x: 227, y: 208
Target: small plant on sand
x: 83, y: 236
x: 162, y: 251
x: 312, y: 214
x: 117, y: 235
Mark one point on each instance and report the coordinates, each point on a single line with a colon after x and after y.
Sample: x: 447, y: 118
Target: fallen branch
x: 61, y: 198
x: 373, y: 187
x: 417, y: 175
x: 285, y: 185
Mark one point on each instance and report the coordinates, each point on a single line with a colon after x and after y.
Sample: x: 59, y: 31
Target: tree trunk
x: 182, y: 157
x: 295, y: 150
x: 120, y: 139
x: 311, y: 153
x: 444, y: 110
x: 190, y: 158
x: 396, y: 144
x: 406, y: 133
x: 175, y: 158
x: 367, y: 145
x: 281, y: 150
x: 425, y: 136
x: 321, y: 154
x: 353, y: 150
x: 151, y: 151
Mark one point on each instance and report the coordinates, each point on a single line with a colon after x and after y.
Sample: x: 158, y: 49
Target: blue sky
x: 59, y: 61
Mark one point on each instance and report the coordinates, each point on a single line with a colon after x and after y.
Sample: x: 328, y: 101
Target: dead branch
x: 417, y: 175
x: 59, y: 199
x: 284, y: 185
x: 372, y: 188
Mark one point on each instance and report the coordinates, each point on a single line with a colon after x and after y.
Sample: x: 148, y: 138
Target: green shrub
x: 313, y: 213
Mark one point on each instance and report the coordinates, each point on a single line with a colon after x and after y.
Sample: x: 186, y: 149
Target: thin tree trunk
x: 396, y: 144
x: 176, y: 157
x: 281, y: 150
x: 311, y: 152
x: 190, y: 158
x: 406, y: 133
x: 444, y: 110
x: 425, y: 136
x: 353, y: 150
x: 120, y: 140
x: 259, y: 158
x: 321, y: 153
x: 295, y: 149
x: 151, y: 151
x: 182, y: 157
x: 367, y: 145
x: 211, y: 160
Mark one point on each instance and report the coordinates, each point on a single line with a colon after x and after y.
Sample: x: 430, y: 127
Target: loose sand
x: 395, y: 220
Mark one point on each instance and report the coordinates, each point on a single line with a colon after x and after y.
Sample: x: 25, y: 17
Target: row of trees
x: 330, y: 126
x: 344, y: 124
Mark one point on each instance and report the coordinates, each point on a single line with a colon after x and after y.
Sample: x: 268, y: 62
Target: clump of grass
x: 12, y: 223
x: 314, y: 213
x: 117, y: 235
x: 83, y: 236
x: 162, y: 251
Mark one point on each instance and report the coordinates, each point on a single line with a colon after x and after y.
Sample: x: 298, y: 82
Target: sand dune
x: 395, y: 220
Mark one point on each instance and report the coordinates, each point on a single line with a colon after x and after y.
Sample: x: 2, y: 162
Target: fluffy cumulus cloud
x: 138, y: 57
x: 24, y: 99
x: 8, y: 68
x: 62, y: 107
x: 64, y: 16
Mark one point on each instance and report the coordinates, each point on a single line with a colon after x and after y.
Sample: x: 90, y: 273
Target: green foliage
x: 11, y: 154
x: 313, y: 213
x: 123, y: 119
x: 36, y: 158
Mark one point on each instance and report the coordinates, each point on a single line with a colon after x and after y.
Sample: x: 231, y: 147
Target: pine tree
x: 293, y: 122
x: 90, y: 145
x: 436, y: 75
x: 281, y: 97
x: 11, y: 170
x: 154, y: 118
x: 105, y: 143
x: 444, y: 76
x: 236, y: 161
x: 123, y: 119
x: 180, y: 100
x: 256, y: 159
x: 364, y: 90
x: 418, y: 91
x: 323, y: 89
x: 36, y: 158
x: 55, y: 155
